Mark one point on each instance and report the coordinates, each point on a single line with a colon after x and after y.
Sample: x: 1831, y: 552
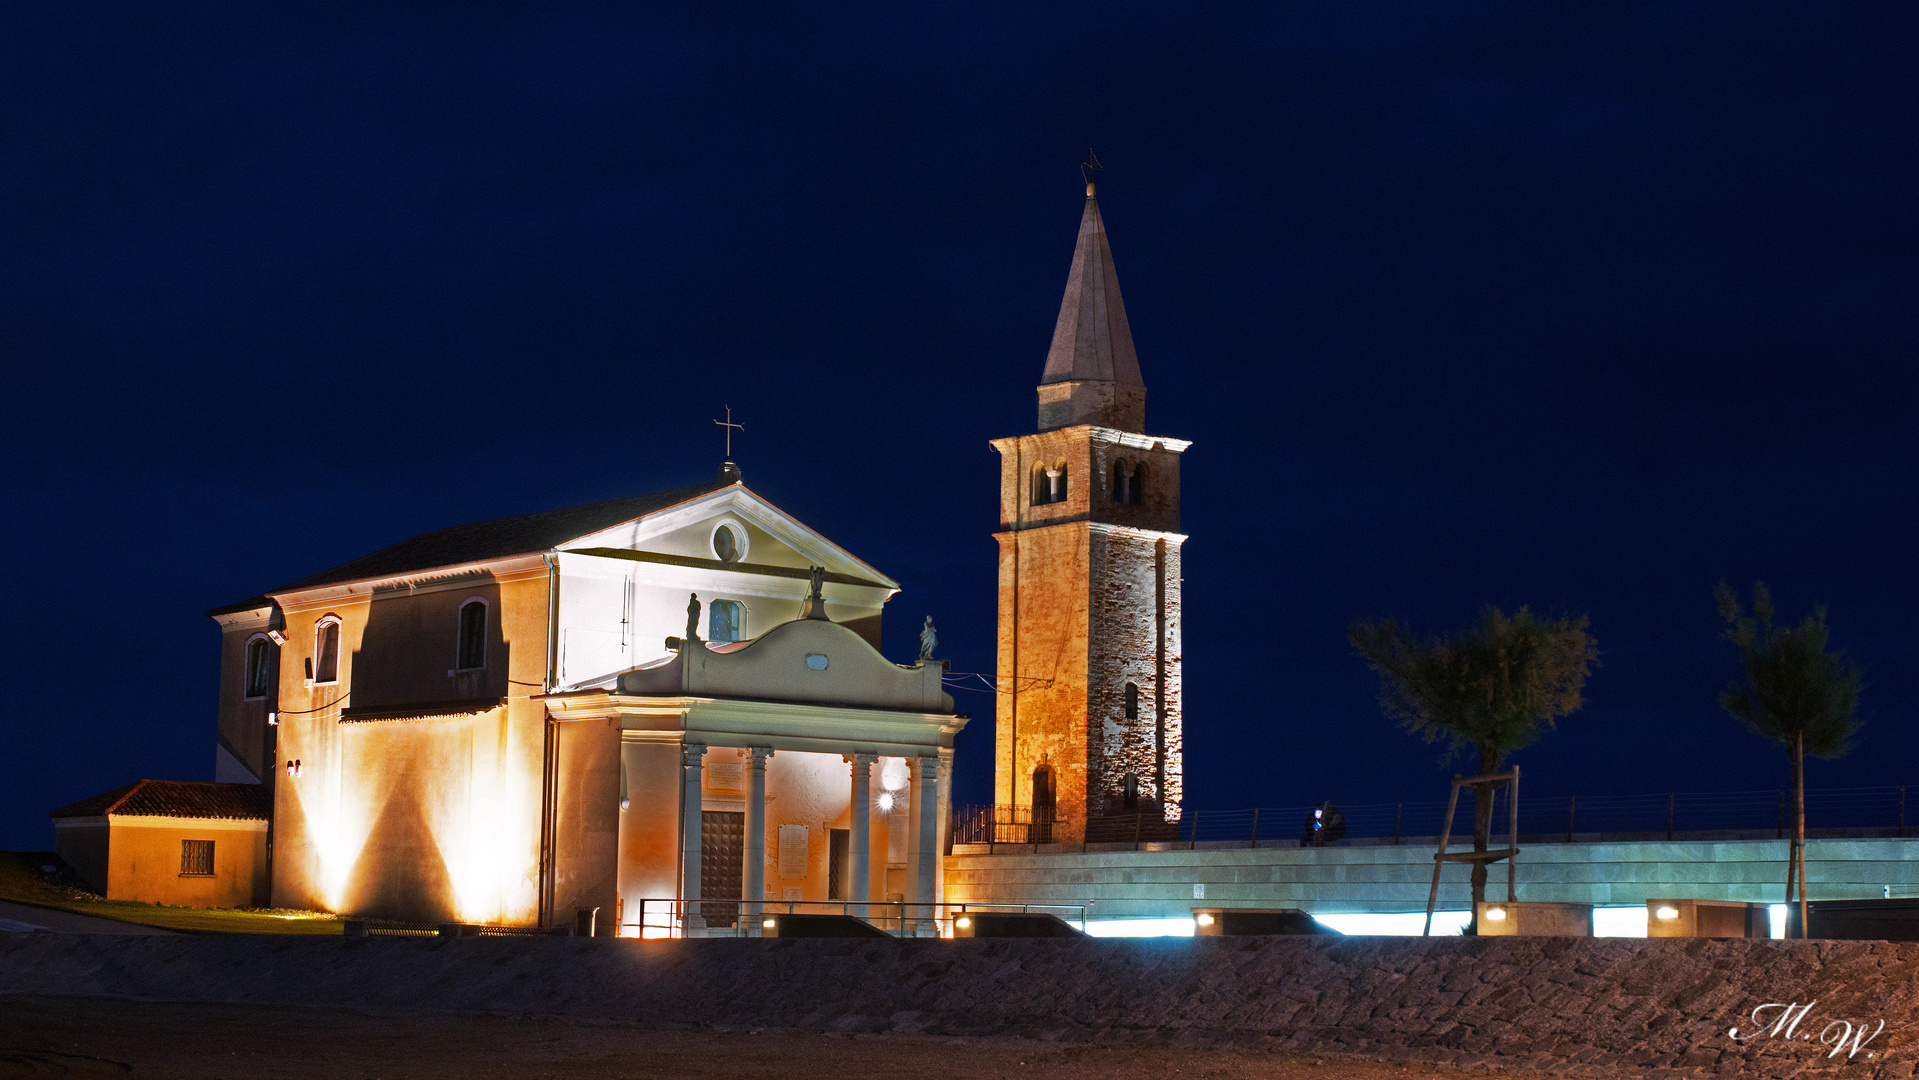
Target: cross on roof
x: 729, y: 425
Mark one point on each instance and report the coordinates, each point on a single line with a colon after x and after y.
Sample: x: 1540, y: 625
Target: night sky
x: 1580, y: 305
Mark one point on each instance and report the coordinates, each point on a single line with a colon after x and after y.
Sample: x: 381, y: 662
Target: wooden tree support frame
x: 1510, y: 853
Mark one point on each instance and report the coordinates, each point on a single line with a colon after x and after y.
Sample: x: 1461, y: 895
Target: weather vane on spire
x: 1088, y: 167
x: 730, y: 426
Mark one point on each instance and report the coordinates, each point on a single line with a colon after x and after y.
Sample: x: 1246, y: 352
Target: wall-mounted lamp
x: 273, y: 719
x: 1496, y: 914
x: 1204, y: 919
x: 276, y: 637
x: 770, y: 924
x: 1667, y: 911
x: 963, y: 922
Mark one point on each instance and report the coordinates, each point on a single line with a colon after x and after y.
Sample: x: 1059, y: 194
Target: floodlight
x: 1667, y: 911
x: 770, y: 924
x: 1495, y: 913
x: 1205, y: 919
x: 963, y: 922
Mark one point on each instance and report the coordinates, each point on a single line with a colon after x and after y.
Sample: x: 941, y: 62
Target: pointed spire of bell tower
x: 1092, y: 374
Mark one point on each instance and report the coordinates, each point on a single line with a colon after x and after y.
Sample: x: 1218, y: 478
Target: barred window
x: 196, y: 858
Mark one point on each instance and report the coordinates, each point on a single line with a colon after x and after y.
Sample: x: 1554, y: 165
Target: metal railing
x: 1862, y: 811
x: 1005, y: 825
x: 666, y: 918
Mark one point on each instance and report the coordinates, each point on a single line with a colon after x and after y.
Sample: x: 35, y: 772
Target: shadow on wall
x: 401, y: 873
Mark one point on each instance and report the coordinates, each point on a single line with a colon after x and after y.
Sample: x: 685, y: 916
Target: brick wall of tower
x: 1126, y: 582
x: 1043, y: 624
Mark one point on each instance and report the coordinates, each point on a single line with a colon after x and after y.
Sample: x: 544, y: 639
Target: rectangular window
x: 257, y: 668
x: 196, y: 858
x: 723, y: 621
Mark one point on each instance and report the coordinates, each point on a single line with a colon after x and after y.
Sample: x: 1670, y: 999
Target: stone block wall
x: 1389, y: 878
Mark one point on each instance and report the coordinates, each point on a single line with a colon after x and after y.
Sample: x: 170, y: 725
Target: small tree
x: 1494, y: 688
x: 1795, y: 693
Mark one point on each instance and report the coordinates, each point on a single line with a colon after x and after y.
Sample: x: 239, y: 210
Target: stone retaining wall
x: 1570, y: 1006
x: 1385, y: 878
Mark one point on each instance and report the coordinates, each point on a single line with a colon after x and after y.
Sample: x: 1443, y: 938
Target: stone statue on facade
x: 693, y: 617
x: 815, y: 606
x: 929, y: 640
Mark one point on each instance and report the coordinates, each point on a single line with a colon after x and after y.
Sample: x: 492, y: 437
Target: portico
x: 749, y: 775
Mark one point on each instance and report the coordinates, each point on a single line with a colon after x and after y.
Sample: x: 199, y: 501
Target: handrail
x: 905, y: 918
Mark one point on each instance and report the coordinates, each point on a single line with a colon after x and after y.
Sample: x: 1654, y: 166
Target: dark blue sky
x: 1577, y: 305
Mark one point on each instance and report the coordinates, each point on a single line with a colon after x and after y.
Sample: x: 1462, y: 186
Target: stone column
x: 858, y: 889
x: 755, y: 876
x: 692, y: 762
x: 926, y: 809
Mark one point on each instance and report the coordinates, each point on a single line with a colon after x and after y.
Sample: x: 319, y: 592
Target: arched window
x: 1042, y: 487
x: 472, y: 652
x: 259, y: 667
x: 1132, y: 701
x: 1136, y: 485
x: 1122, y: 482
x: 1044, y: 804
x: 723, y: 621
x: 1058, y: 476
x: 326, y: 651
x: 1129, y: 793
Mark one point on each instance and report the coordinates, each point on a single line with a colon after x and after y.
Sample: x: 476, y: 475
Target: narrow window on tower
x: 1136, y: 484
x: 1058, y: 476
x: 326, y: 651
x: 723, y: 621
x: 1132, y: 701
x: 259, y: 667
x: 1042, y: 487
x: 472, y: 651
x: 1122, y: 482
x: 1130, y: 794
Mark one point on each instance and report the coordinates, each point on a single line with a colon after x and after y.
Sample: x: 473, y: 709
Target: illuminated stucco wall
x: 243, y: 720
x: 131, y: 857
x: 422, y: 820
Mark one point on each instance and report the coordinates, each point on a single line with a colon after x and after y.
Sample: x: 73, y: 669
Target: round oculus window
x: 729, y: 542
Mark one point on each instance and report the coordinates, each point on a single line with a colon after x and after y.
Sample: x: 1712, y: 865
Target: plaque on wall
x: 726, y: 776
x: 789, y: 894
x: 793, y: 851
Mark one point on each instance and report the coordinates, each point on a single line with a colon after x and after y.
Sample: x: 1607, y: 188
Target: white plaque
x: 789, y: 894
x: 793, y: 851
x: 726, y: 776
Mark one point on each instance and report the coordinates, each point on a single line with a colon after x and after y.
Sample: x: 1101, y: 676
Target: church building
x: 1088, y: 731
x: 674, y: 698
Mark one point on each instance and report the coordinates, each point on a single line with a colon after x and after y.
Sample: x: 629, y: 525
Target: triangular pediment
x: 761, y: 534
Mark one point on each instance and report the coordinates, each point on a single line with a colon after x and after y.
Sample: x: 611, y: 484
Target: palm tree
x: 1796, y: 694
x: 1494, y: 687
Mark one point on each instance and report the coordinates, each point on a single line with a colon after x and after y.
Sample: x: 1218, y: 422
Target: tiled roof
x: 501, y: 537
x: 177, y: 798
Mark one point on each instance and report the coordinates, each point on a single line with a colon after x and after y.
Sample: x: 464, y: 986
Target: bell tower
x: 1089, y: 609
